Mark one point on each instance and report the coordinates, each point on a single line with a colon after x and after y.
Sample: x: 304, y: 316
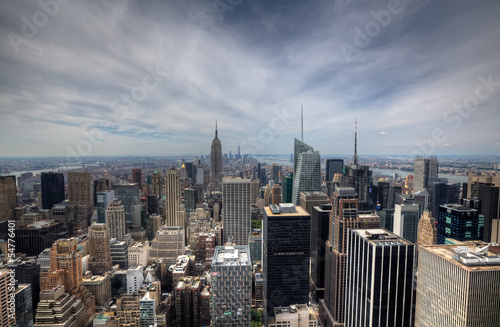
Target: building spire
x: 216, y: 129
x: 356, y: 140
x: 302, y: 123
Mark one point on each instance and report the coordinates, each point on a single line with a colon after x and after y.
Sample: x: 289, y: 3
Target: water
x: 390, y: 172
x: 35, y: 172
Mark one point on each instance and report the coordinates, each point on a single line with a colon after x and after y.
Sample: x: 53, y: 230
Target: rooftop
x: 231, y: 256
x: 469, y: 256
x: 381, y: 237
x: 271, y: 211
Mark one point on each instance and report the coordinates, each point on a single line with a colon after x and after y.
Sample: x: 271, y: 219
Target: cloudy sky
x: 116, y: 77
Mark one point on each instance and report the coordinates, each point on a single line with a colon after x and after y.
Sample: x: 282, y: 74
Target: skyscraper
x: 137, y: 177
x: 216, y: 163
x: 379, y: 288
x: 104, y: 198
x: 299, y: 147
x: 79, y: 188
x: 8, y: 197
x: 52, y: 189
x: 99, y: 249
x: 307, y: 177
x: 231, y: 293
x: 172, y: 197
x: 360, y: 178
x: 319, y: 235
x: 115, y: 219
x: 456, y: 222
x: 287, y: 189
x: 236, y: 204
x: 344, y: 216
x: 285, y: 256
x: 458, y: 286
x: 7, y: 317
x: 427, y: 230
x: 156, y: 183
x: 406, y: 219
x: 423, y: 170
x: 66, y: 270
x: 332, y: 167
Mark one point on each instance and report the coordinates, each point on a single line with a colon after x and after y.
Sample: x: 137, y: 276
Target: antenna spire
x: 356, y: 140
x: 216, y: 128
x: 302, y: 123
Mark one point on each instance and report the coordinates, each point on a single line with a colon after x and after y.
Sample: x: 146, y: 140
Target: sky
x: 123, y: 77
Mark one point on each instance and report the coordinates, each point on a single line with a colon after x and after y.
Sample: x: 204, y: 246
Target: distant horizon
x: 333, y: 156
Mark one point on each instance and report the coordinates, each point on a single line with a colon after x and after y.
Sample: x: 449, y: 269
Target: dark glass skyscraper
x: 379, y: 288
x: 52, y: 189
x: 286, y: 241
x: 459, y: 223
x: 320, y: 218
x: 332, y: 167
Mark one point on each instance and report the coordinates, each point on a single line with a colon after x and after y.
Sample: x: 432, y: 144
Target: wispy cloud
x: 263, y: 56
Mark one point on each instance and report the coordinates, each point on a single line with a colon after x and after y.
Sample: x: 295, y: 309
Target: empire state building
x: 216, y: 164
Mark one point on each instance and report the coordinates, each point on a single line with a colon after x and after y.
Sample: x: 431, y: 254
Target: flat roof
x: 231, y: 256
x: 381, y: 237
x: 299, y: 211
x: 460, y: 255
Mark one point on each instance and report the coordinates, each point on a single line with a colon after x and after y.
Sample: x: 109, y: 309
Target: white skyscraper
x: 236, y: 204
x: 116, y: 219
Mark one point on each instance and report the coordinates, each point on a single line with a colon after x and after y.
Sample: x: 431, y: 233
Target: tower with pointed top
x: 360, y: 177
x: 216, y: 163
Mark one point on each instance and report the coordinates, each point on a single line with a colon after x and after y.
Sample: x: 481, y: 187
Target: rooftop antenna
x: 302, y: 123
x: 426, y: 145
x: 216, y: 128
x: 356, y: 140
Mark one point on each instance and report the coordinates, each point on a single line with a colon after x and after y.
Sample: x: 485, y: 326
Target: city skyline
x: 125, y: 77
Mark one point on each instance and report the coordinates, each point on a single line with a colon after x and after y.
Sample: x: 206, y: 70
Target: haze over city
x: 129, y: 77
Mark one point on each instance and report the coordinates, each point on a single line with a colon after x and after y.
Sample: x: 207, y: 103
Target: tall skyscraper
x: 299, y: 147
x: 172, y: 197
x: 236, y: 204
x: 24, y: 308
x: 319, y: 235
x: 104, y: 198
x: 7, y: 317
x: 99, y: 249
x: 360, y: 178
x: 458, y: 286
x: 156, y: 183
x: 79, y: 188
x: 216, y: 163
x: 423, y: 170
x: 344, y: 216
x: 406, y: 217
x: 52, y: 189
x: 287, y: 188
x: 137, y: 177
x: 66, y: 270
x: 332, y: 167
x: 8, y: 197
x: 427, y: 230
x: 276, y: 173
x: 231, y: 292
x: 379, y: 288
x: 285, y: 256
x: 100, y: 185
x: 129, y: 195
x: 456, y: 222
x: 307, y: 177
x: 115, y: 219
